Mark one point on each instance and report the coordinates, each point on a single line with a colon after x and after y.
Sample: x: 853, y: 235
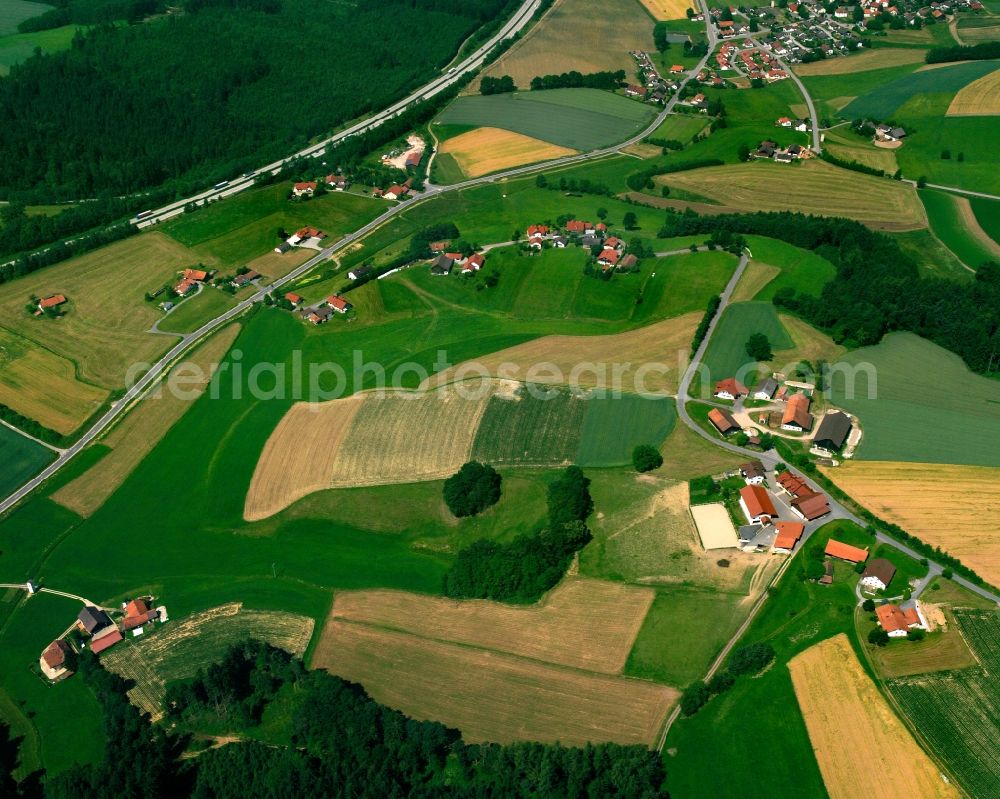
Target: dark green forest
x: 878, y: 288
x: 340, y: 743
x: 214, y: 88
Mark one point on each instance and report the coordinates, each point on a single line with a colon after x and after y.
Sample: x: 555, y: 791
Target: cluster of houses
x: 654, y: 87
x: 333, y: 182
x: 96, y: 629
x: 309, y: 237
x: 750, y: 60
x: 190, y: 280
x: 611, y: 256
x: 49, y: 304
x: 320, y: 312
x: 397, y: 191
x: 889, y: 133
x: 444, y: 262
x: 770, y: 151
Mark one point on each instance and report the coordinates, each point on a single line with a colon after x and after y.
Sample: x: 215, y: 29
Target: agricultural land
x: 22, y: 458
x: 978, y: 98
x: 570, y: 37
x: 667, y: 9
x: 856, y: 736
x: 484, y: 150
x: 954, y: 223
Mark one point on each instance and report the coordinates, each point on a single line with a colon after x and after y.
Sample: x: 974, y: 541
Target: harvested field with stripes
x: 484, y: 150
x: 979, y: 98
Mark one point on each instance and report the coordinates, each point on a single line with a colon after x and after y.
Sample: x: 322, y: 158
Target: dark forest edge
x: 877, y: 289
x: 337, y: 742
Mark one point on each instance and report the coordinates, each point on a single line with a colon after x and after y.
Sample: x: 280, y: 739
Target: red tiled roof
x: 195, y: 274
x: 476, y: 259
x: 797, y: 412
x: 55, y: 654
x: 812, y: 506
x: 731, y: 386
x: 722, y: 420
x: 757, y: 500
x: 838, y: 549
x: 337, y: 302
x: 105, y: 641
x: 438, y: 246
x: 611, y: 256
x: 893, y: 617
x: 305, y: 185
x: 537, y: 230
x: 794, y: 484
x: 576, y: 226
x: 293, y: 298
x: 53, y: 301
x: 788, y: 534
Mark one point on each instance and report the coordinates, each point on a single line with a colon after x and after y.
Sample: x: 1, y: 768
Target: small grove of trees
x: 501, y: 85
x: 646, y: 457
x: 702, y: 331
x: 745, y: 660
x: 472, y: 489
x: 758, y: 347
x: 525, y: 568
x: 609, y: 81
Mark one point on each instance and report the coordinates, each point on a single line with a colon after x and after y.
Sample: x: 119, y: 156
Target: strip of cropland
x: 485, y: 150
x: 857, y: 738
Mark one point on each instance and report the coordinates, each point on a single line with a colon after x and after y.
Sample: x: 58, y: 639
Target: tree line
x: 342, y: 744
x: 606, y: 80
x: 141, y: 105
x: 523, y: 569
x: 877, y: 288
x: 976, y: 52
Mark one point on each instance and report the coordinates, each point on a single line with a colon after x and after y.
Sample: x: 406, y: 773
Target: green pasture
x: 726, y: 355
x: 918, y: 402
x: 14, y: 12
x: 193, y: 312
x: 614, y: 426
x: 584, y: 119
x: 682, y: 127
x: 763, y: 709
x: 883, y: 101
x: 832, y: 92
x: 16, y: 48
x: 22, y: 458
x: 930, y: 255
x: 987, y: 215
x: 947, y: 224
x: 680, y: 284
x: 238, y: 229
x: 803, y: 271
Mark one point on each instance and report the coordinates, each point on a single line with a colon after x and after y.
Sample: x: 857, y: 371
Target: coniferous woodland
x: 340, y: 743
x: 878, y: 288
x: 212, y: 87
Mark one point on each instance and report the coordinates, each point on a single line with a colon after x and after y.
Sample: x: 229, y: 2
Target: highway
x: 520, y: 19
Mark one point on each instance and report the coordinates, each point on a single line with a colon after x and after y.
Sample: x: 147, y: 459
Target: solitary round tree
x: 472, y: 489
x: 646, y: 457
x: 758, y: 347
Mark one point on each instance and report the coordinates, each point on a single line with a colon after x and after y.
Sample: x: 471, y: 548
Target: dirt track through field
x: 862, y: 748
x: 954, y: 507
x: 299, y: 455
x: 583, y: 623
x: 492, y: 696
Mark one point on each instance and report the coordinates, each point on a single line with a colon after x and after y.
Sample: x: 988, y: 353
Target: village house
x: 92, y: 620
x: 898, y: 620
x: 338, y: 304
x: 635, y: 91
x: 788, y: 536
x: 413, y: 159
x: 765, y: 389
x: 293, y: 298
x: 473, y: 264
x: 360, y: 272
x: 889, y: 134
x: 608, y: 258
x: 245, y: 279
x: 305, y: 188
x: 810, y: 506
x: 793, y: 484
x: 306, y: 235
x: 784, y: 122
x: 138, y: 613
x: 832, y: 431
x: 456, y: 257
x: 282, y: 248
x: 796, y: 416
x: 753, y: 473
x: 614, y: 243
x: 396, y: 192
x: 842, y: 551
x: 730, y: 389
x: 439, y: 246
x: 441, y: 265
x: 543, y: 231
x: 55, y: 660
x: 336, y: 182
x: 878, y: 574
x: 723, y: 421
x: 756, y: 504
x: 317, y: 316
x: 677, y: 69
x: 559, y: 242
x: 536, y: 242
x: 105, y: 639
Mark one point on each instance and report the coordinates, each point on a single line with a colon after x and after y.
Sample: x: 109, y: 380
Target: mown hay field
x: 176, y: 650
x: 582, y: 623
x: 141, y: 429
x: 945, y: 421
x: 43, y: 386
x: 944, y: 649
x: 104, y: 329
x: 570, y: 37
x: 858, y: 741
x: 662, y: 342
x: 581, y: 119
x: 956, y: 508
x: 979, y: 98
x: 668, y: 9
x: 491, y: 696
x: 812, y: 187
x: 881, y: 58
x: 958, y: 712
x: 484, y: 150
x: 299, y: 455
x: 851, y: 147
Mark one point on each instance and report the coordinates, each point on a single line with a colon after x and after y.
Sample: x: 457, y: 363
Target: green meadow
x: 14, y: 12
x: 726, y: 354
x: 18, y: 47
x: 947, y: 224
x: 882, y: 102
x: 919, y: 402
x: 22, y: 458
x: 583, y: 119
x: 803, y: 271
x: 988, y: 215
x: 195, y: 311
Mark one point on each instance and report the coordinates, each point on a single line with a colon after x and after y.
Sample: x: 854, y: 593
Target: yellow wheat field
x: 141, y: 429
x: 663, y: 342
x: 954, y: 507
x: 583, y: 35
x: 869, y: 59
x: 484, y: 150
x: 668, y: 9
x: 583, y: 623
x: 370, y: 439
x: 862, y: 748
x: 41, y: 385
x: 980, y: 98
x: 813, y: 187
x: 298, y: 457
x: 493, y: 696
